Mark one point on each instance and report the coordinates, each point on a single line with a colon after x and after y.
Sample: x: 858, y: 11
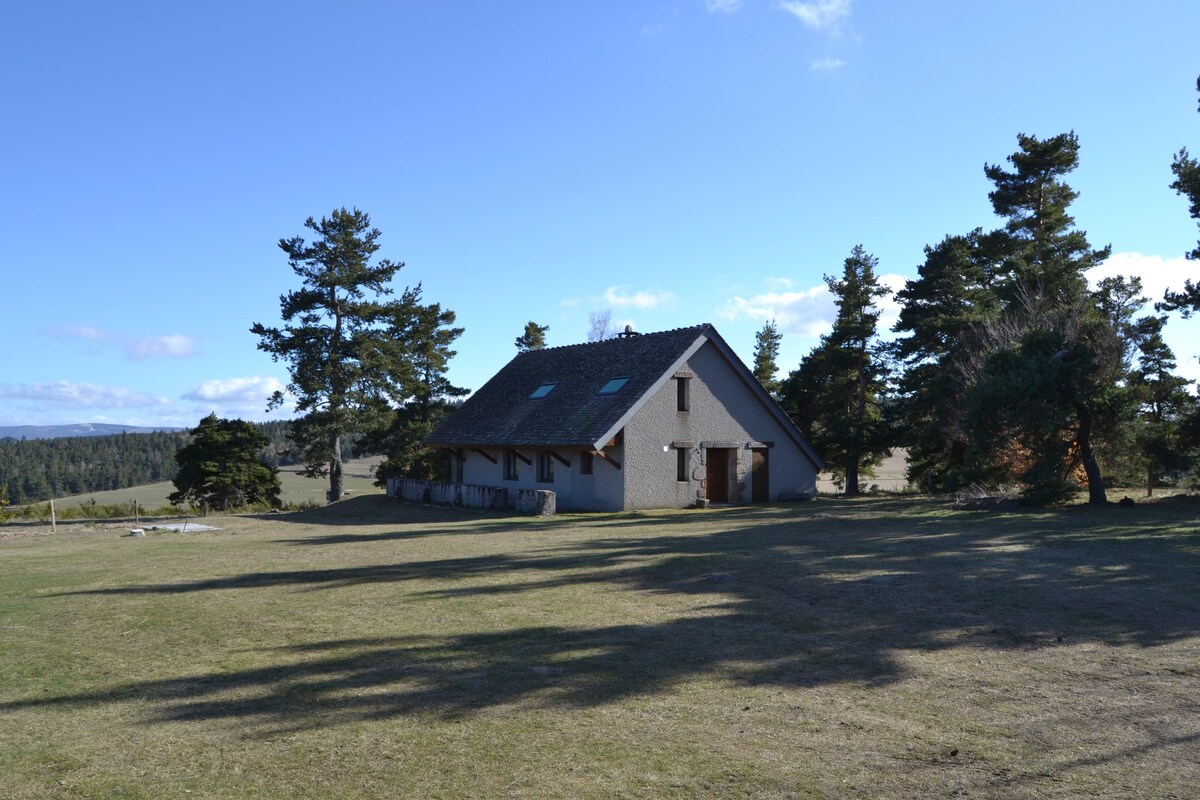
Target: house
x: 656, y: 420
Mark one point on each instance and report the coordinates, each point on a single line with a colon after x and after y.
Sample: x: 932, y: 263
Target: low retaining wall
x: 490, y: 498
x: 539, y: 502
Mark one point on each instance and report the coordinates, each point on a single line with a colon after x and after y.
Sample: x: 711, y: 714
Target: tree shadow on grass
x: 785, y: 598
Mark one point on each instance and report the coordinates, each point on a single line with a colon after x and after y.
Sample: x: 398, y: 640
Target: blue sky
x: 674, y: 162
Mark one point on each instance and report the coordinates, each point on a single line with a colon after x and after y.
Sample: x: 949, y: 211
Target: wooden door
x: 716, y: 473
x: 759, y: 475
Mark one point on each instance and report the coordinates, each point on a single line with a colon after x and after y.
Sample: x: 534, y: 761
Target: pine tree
x: 1045, y: 304
x: 432, y: 399
x: 1045, y: 257
x: 766, y: 351
x: 222, y: 468
x: 1187, y: 183
x: 836, y: 394
x: 941, y: 311
x: 534, y: 337
x: 1163, y: 405
x: 349, y: 361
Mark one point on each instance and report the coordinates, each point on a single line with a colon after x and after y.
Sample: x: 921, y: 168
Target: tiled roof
x: 501, y: 413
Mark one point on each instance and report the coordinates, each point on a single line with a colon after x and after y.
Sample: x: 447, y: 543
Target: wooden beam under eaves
x: 559, y: 459
x: 484, y: 454
x: 517, y: 453
x: 606, y: 458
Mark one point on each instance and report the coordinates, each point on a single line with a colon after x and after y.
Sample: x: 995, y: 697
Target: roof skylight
x: 613, y: 386
x: 543, y: 390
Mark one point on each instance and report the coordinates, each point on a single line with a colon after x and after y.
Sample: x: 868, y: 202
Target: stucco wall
x: 600, y: 491
x: 722, y: 409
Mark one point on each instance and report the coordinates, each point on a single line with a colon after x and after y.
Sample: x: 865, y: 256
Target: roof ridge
x: 696, y: 327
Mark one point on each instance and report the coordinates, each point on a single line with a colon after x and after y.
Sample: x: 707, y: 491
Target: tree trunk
x: 852, y: 475
x: 335, y: 470
x: 860, y: 416
x: 1149, y: 480
x: 1096, y: 493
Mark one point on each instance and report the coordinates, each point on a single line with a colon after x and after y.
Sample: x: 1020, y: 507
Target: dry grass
x: 880, y: 647
x: 295, y: 488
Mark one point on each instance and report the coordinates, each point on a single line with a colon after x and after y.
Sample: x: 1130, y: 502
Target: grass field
x: 296, y: 488
x: 883, y: 647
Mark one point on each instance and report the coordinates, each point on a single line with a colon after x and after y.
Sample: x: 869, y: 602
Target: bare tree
x: 600, y: 326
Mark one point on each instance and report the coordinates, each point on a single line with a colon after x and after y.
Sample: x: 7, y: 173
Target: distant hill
x: 71, y: 431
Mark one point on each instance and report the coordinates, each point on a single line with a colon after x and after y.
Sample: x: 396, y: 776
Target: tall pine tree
x: 348, y: 356
x: 941, y: 313
x: 836, y: 394
x: 766, y: 353
x: 1052, y: 362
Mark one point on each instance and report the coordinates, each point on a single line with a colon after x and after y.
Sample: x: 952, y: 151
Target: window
x: 543, y: 390
x: 585, y: 462
x: 683, y: 456
x: 613, y: 386
x: 512, y: 469
x: 682, y: 394
x: 545, y: 467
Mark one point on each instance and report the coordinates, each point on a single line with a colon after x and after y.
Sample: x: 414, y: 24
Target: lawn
x: 884, y: 647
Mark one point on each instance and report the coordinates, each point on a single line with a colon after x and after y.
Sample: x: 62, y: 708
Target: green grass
x: 883, y: 647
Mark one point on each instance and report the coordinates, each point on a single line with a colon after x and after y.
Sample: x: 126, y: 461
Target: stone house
x: 656, y: 420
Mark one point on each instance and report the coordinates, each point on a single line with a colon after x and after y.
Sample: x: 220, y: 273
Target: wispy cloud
x: 86, y: 332
x: 79, y: 395
x: 826, y: 64
x: 653, y: 31
x: 820, y: 15
x: 175, y: 345
x: 723, y: 6
x: 621, y: 297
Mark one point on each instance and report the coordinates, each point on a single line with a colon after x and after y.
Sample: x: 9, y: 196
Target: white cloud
x: 809, y: 312
x: 820, y: 14
x: 619, y: 297
x: 826, y: 64
x: 237, y: 391
x: 79, y: 395
x: 240, y: 398
x: 653, y: 31
x: 175, y: 345
x: 1158, y: 274
x: 723, y: 6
